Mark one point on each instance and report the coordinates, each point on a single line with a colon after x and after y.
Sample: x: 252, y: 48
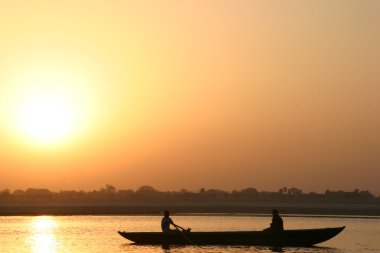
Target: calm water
x: 58, y: 234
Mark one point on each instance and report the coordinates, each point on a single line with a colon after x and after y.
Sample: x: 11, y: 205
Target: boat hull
x: 302, y: 237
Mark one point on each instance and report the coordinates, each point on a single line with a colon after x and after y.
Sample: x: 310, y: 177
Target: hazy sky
x: 190, y: 94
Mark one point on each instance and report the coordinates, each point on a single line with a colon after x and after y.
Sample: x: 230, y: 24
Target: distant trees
x: 248, y: 193
x: 147, y: 193
x: 355, y: 195
x: 5, y: 194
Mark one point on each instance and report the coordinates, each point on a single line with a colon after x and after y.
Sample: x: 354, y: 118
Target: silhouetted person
x: 165, y: 224
x: 277, y: 223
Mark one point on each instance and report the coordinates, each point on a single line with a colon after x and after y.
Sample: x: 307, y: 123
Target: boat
x: 297, y: 238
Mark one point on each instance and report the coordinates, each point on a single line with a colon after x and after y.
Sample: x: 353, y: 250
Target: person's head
x: 166, y: 213
x: 275, y: 212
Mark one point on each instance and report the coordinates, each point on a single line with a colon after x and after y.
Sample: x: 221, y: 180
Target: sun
x: 47, y: 107
x: 46, y: 117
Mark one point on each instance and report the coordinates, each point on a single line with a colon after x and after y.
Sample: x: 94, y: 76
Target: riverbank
x: 145, y: 208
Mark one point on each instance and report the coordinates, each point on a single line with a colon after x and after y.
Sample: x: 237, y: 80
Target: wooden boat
x: 300, y: 237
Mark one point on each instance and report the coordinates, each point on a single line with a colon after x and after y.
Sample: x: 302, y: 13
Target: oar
x: 183, y: 235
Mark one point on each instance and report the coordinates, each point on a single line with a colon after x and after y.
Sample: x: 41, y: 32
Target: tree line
x: 148, y: 193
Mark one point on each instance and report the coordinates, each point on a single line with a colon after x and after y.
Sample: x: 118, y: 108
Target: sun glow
x: 46, y: 117
x: 47, y: 106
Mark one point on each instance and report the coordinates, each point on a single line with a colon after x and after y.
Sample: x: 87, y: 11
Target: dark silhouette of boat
x: 300, y: 237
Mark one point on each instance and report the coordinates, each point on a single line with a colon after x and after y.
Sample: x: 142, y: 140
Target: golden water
x: 90, y: 234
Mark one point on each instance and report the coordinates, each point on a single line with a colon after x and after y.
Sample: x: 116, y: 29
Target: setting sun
x: 47, y: 105
x: 46, y: 117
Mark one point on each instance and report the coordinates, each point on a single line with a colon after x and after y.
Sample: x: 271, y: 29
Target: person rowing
x: 167, y: 221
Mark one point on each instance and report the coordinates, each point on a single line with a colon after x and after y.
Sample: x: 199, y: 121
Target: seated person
x: 165, y: 224
x: 277, y: 223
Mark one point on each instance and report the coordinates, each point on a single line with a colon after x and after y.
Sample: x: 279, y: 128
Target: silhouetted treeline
x: 148, y: 193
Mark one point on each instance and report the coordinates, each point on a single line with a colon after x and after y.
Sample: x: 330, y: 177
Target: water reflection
x: 135, y: 248
x: 43, y: 237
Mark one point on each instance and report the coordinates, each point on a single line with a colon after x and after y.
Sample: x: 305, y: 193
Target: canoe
x: 300, y: 237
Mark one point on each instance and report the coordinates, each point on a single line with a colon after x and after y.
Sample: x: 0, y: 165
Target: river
x: 90, y: 234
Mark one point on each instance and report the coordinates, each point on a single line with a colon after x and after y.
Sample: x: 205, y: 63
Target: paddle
x: 183, y: 234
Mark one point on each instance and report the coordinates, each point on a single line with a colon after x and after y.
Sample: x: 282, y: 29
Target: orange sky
x: 190, y: 94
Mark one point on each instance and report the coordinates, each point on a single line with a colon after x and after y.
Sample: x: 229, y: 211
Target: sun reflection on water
x: 43, y: 238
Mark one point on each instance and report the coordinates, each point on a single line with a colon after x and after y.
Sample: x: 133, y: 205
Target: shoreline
x: 254, y: 209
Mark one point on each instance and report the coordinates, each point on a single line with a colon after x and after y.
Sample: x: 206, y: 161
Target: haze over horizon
x: 190, y: 94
